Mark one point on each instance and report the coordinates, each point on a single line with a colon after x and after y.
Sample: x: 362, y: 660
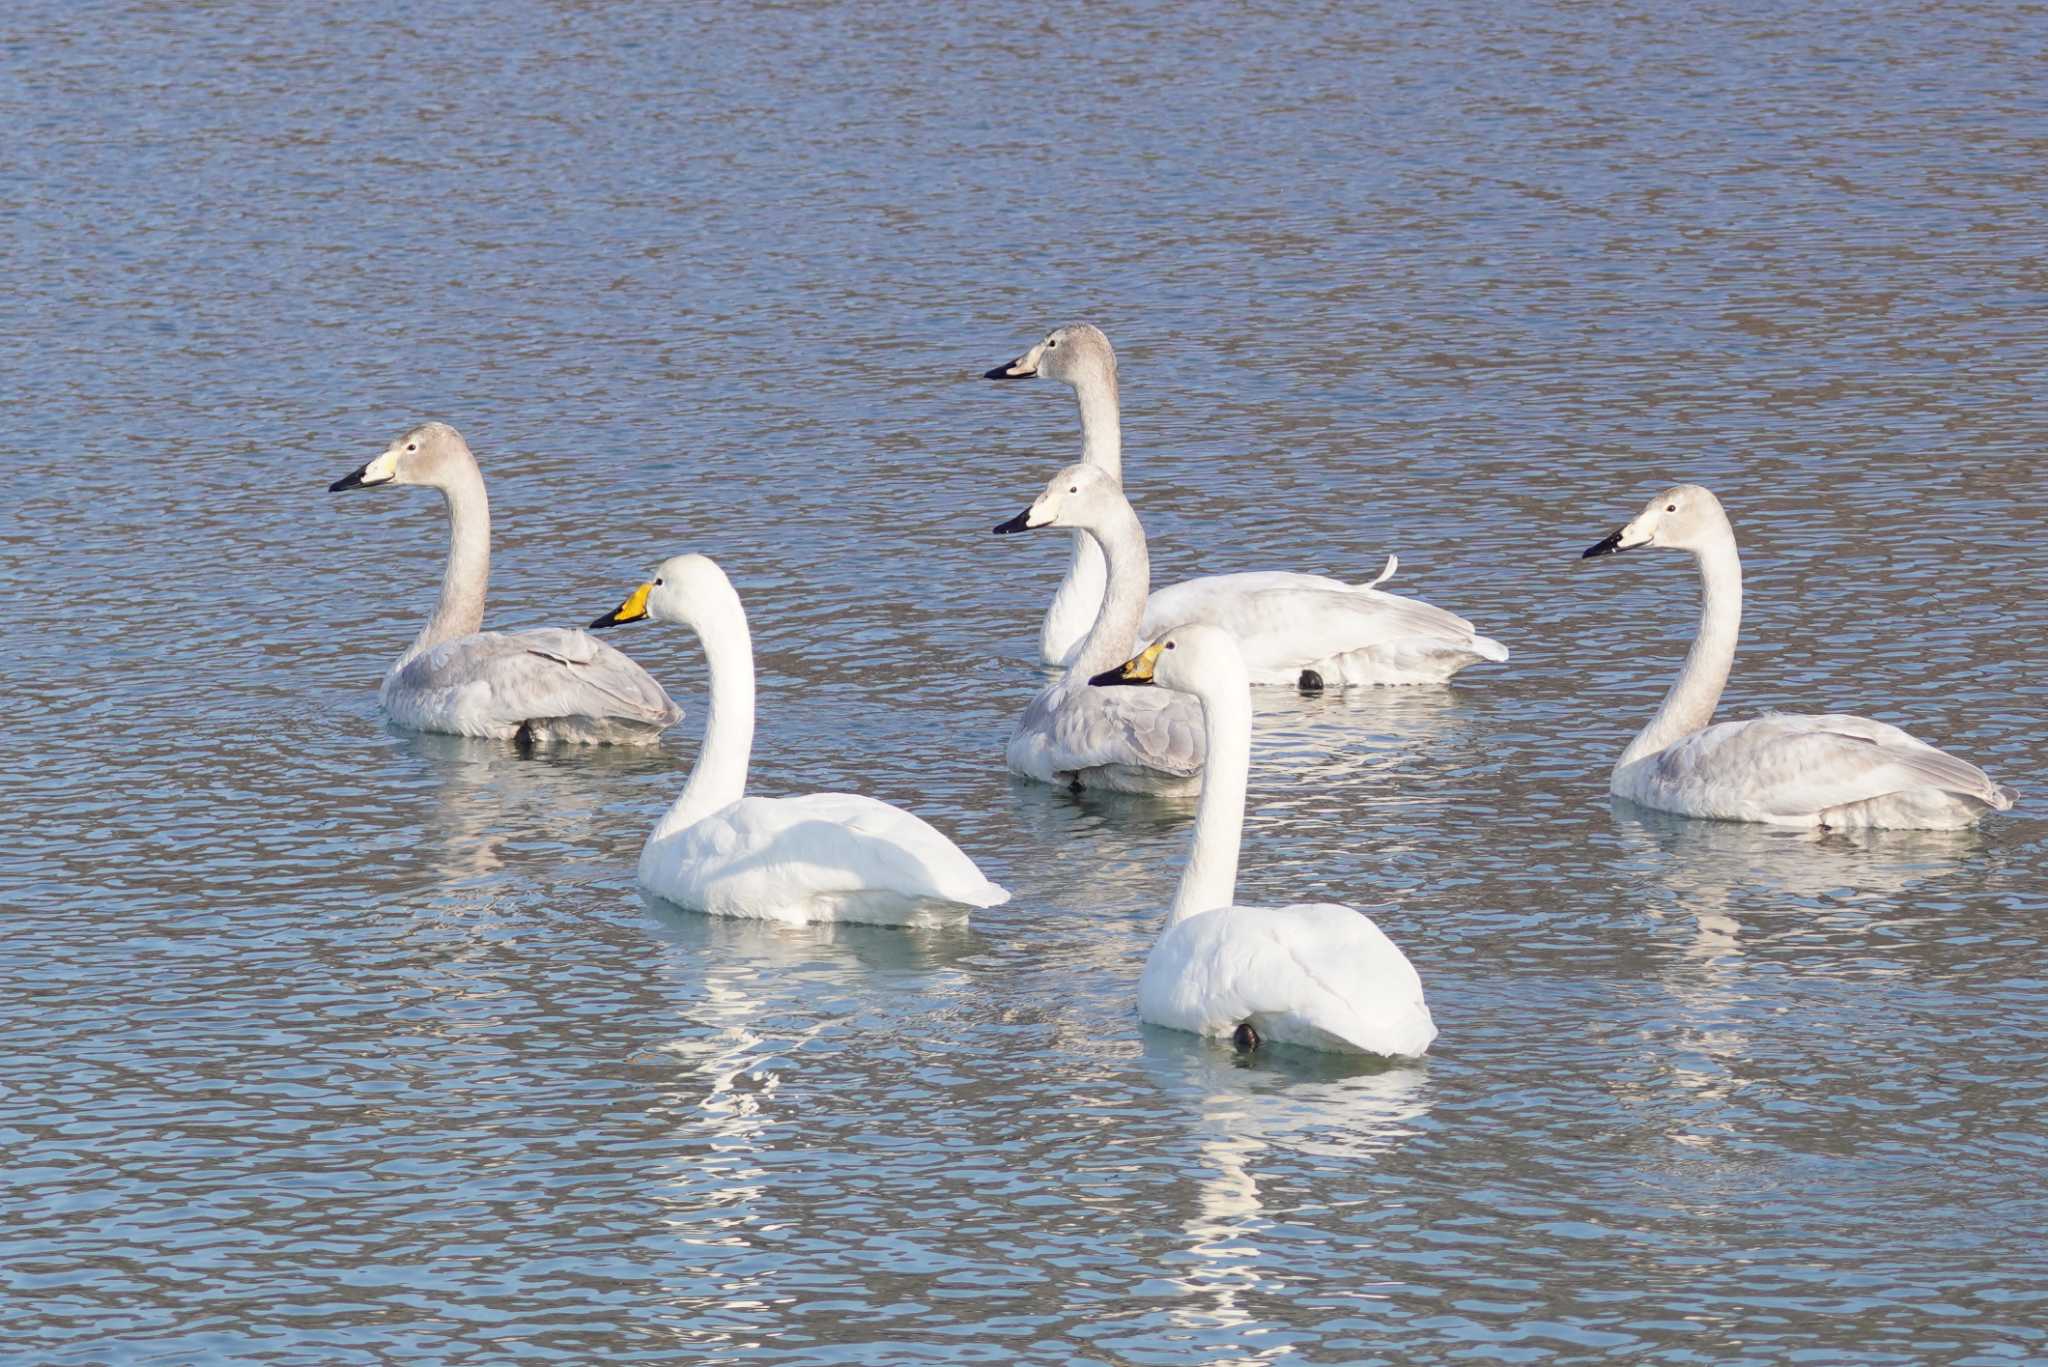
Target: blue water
x: 327, y: 1043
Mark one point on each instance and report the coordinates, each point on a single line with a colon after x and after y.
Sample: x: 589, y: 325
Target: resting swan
x: 547, y: 684
x: 821, y: 857
x: 1313, y: 974
x: 1303, y: 630
x: 1827, y: 772
x: 1080, y: 736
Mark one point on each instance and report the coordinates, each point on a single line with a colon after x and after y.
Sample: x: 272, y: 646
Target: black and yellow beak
x: 632, y: 610
x: 1020, y: 523
x: 1019, y: 369
x: 1137, y: 670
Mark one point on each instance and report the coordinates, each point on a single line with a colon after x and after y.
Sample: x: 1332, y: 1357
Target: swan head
x: 1078, y: 496
x: 432, y: 454
x: 1192, y: 658
x: 1684, y: 517
x: 680, y: 586
x: 1073, y: 353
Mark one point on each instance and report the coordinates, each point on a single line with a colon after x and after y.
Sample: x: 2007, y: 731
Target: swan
x: 1828, y: 772
x: 797, y: 860
x: 1080, y: 736
x: 1297, y: 630
x: 1312, y: 974
x: 545, y: 684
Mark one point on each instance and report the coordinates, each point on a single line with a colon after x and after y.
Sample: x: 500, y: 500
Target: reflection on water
x: 1714, y: 872
x: 328, y: 1042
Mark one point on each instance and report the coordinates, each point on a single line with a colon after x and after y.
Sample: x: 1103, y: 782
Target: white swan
x: 1080, y: 736
x: 1829, y: 771
x: 545, y: 684
x: 1305, y: 630
x: 821, y: 857
x: 1313, y: 974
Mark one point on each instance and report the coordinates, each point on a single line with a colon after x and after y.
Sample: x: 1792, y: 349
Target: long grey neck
x: 1129, y: 580
x: 720, y: 776
x: 1079, y: 596
x: 1210, y: 879
x: 460, y: 611
x: 1102, y: 432
x: 1690, y: 704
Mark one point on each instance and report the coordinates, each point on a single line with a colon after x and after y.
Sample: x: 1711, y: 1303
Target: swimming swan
x: 821, y: 857
x: 1305, y: 630
x: 1828, y: 771
x: 1080, y: 736
x: 546, y: 684
x: 1313, y: 974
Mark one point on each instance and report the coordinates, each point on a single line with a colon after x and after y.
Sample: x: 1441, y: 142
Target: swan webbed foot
x: 1310, y: 681
x: 522, y: 739
x: 1245, y: 1037
x: 1074, y: 784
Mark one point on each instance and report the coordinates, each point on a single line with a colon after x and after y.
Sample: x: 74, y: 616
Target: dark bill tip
x: 352, y: 480
x: 1609, y: 544
x: 1111, y: 677
x: 610, y: 619
x: 1008, y: 372
x: 1020, y: 523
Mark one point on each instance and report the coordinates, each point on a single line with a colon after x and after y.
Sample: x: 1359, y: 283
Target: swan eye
x: 1052, y: 341
x: 412, y: 446
x: 1170, y: 645
x: 1671, y: 507
x: 657, y: 583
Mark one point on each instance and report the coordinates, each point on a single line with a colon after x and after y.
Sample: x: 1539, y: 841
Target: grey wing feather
x: 1087, y: 728
x: 549, y: 672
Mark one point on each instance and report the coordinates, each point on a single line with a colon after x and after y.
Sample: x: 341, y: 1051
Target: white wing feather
x: 1315, y: 974
x: 822, y: 856
x: 1286, y: 623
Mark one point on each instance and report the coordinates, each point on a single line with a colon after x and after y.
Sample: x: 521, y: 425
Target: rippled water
x: 328, y: 1043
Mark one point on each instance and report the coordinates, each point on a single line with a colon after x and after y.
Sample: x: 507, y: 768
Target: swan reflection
x: 1279, y: 1111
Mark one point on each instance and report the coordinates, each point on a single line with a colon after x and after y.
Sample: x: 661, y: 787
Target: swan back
x: 1315, y: 974
x: 819, y: 857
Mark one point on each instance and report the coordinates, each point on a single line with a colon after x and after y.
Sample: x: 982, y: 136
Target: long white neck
x: 1690, y: 704
x: 1210, y: 879
x: 460, y: 611
x: 720, y: 778
x: 1079, y: 597
x: 1121, y: 542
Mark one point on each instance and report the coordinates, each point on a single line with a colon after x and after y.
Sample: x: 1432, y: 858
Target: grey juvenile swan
x: 546, y: 684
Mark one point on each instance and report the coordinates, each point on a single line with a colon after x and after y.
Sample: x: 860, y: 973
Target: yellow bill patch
x: 635, y: 606
x: 1139, y: 669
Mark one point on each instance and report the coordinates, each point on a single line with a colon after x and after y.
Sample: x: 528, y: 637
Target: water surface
x: 327, y: 1043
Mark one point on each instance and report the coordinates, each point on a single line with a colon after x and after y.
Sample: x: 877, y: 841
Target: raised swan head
x: 1080, y: 496
x: 684, y: 588
x: 1684, y: 517
x: 1074, y: 353
x: 433, y: 454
